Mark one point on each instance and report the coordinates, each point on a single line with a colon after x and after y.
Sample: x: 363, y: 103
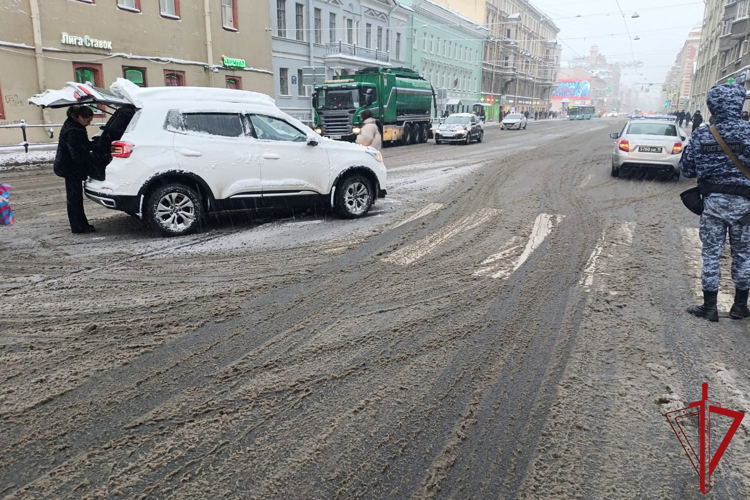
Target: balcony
x: 347, y: 52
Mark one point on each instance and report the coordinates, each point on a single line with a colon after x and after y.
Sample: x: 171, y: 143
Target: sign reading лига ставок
x: 85, y: 41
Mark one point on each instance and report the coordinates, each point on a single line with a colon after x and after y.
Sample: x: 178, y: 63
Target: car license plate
x: 649, y: 149
x: 448, y: 134
x: 336, y: 137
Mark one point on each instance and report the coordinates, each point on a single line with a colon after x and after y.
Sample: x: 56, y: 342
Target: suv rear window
x: 652, y: 129
x: 221, y: 124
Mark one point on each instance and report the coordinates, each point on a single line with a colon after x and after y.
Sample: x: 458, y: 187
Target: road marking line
x: 432, y: 207
x: 587, y: 180
x: 692, y: 246
x: 543, y: 226
x: 412, y: 253
x: 621, y: 234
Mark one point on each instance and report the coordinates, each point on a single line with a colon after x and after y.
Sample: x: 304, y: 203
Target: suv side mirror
x: 614, y: 136
x: 312, y: 140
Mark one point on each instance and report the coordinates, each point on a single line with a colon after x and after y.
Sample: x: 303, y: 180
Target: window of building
x: 414, y: 38
x: 437, y: 47
x: 229, y: 14
x: 174, y: 78
x: 357, y: 33
x: 268, y: 128
x: 221, y: 124
x: 301, y: 90
x: 283, y: 81
x: 368, y: 35
x: 332, y: 27
x: 299, y: 12
x: 134, y: 5
x: 350, y: 31
x: 91, y: 73
x: 445, y: 48
x: 169, y: 8
x: 432, y: 44
x: 424, y: 43
x: 508, y: 34
x: 387, y: 40
x: 234, y: 82
x: 318, y: 26
x: 398, y: 46
x: 281, y: 18
x: 135, y: 75
x: 380, y: 38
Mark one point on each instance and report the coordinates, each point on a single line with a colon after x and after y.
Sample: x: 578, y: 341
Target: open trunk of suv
x: 120, y: 106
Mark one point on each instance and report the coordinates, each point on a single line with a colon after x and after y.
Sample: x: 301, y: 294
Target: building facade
x: 734, y: 44
x: 446, y: 49
x: 677, y: 86
x: 339, y: 36
x: 46, y: 43
x: 708, y: 64
x: 521, y: 57
x: 605, y: 80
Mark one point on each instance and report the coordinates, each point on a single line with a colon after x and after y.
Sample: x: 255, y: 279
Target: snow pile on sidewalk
x: 23, y: 159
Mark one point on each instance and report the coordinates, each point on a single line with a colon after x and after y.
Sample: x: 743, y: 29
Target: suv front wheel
x: 174, y: 210
x: 354, y: 197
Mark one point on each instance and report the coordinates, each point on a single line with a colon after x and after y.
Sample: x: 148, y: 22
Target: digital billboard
x: 572, y: 89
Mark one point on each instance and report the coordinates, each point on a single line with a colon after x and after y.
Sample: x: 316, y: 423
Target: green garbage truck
x: 399, y: 97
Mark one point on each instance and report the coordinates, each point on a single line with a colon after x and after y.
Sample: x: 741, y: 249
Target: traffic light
x: 730, y: 81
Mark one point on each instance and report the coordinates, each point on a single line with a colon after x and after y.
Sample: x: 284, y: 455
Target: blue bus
x: 581, y: 112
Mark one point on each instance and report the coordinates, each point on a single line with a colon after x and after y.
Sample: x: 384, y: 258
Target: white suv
x: 180, y: 152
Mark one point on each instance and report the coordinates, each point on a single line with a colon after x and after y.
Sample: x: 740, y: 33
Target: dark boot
x: 708, y: 310
x: 739, y: 309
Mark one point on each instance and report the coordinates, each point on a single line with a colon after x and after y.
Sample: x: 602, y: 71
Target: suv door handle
x: 271, y: 156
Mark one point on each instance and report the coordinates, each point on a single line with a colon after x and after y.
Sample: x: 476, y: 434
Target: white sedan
x: 514, y: 121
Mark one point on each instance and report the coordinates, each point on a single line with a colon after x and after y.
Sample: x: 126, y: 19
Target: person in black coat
x: 697, y: 120
x: 74, y: 162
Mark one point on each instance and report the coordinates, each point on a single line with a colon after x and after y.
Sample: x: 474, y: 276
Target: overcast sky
x: 663, y: 27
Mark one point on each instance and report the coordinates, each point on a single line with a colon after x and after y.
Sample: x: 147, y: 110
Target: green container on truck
x: 399, y: 97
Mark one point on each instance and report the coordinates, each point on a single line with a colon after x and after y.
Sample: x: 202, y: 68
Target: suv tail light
x: 122, y: 149
x: 677, y: 149
x: 624, y: 146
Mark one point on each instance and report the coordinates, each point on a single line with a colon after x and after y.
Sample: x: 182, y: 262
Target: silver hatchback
x: 649, y: 146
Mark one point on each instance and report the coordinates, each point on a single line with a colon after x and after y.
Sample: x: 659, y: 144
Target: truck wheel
x: 174, y: 210
x: 354, y: 197
x: 407, y: 135
x: 423, y: 133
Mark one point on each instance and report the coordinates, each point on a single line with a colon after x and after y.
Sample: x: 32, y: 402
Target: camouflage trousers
x: 722, y: 212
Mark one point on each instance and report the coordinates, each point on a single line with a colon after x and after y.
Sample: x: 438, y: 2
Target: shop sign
x: 85, y: 41
x: 228, y: 62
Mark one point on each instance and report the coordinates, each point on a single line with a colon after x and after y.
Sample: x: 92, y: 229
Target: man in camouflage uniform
x: 703, y: 158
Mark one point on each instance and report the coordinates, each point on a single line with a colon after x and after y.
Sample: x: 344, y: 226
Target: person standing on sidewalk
x: 719, y: 174
x: 697, y: 120
x: 73, y: 162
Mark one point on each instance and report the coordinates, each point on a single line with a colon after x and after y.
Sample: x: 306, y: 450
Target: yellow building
x: 521, y: 56
x: 45, y: 43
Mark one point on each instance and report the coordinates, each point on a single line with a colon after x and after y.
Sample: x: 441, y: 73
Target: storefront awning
x: 454, y: 102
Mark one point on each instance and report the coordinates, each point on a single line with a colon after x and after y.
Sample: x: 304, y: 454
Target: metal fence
x: 23, y: 126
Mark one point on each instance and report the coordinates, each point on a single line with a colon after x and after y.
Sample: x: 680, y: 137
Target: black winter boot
x: 708, y: 310
x: 739, y: 309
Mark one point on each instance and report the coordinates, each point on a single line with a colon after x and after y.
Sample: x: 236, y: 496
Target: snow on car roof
x: 138, y: 96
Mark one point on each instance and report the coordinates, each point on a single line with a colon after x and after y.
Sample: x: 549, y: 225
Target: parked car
x: 461, y: 128
x: 514, y: 121
x: 188, y: 151
x: 648, y: 145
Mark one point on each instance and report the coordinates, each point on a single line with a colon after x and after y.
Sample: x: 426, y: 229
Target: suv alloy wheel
x: 174, y: 210
x: 354, y: 196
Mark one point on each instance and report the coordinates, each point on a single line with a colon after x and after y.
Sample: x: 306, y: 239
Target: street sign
x: 313, y: 75
x: 730, y: 81
x: 609, y: 89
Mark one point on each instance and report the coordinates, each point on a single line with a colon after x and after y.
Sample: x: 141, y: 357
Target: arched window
x: 234, y: 82
x: 174, y: 78
x: 135, y: 75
